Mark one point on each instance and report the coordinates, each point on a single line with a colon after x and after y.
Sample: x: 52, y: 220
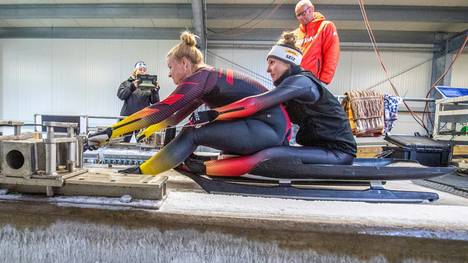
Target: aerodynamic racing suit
x: 264, y: 128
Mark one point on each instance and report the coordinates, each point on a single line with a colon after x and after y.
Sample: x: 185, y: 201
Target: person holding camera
x: 135, y: 97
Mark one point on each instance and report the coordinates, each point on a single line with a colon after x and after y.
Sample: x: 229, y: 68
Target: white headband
x: 286, y: 54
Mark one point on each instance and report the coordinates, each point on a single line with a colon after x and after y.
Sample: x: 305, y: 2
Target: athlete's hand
x: 201, y: 118
x: 131, y: 170
x: 96, y: 140
x: 146, y: 133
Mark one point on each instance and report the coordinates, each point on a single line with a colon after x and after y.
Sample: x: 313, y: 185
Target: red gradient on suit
x: 239, y: 109
x: 172, y: 99
x: 230, y: 77
x: 288, y: 131
x: 235, y: 166
x: 185, y: 83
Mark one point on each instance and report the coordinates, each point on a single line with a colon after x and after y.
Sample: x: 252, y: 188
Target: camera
x: 147, y: 81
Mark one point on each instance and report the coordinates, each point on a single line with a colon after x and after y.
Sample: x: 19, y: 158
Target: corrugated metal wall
x: 1, y: 79
x: 249, y: 61
x: 460, y: 72
x: 360, y: 70
x: 79, y: 76
x: 357, y: 69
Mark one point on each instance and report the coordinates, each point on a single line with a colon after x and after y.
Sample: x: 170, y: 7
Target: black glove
x: 95, y: 140
x: 155, y: 83
x: 201, y: 118
x: 131, y: 170
x: 155, y: 91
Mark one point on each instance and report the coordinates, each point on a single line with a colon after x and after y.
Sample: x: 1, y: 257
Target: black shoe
x: 195, y: 165
x: 131, y: 170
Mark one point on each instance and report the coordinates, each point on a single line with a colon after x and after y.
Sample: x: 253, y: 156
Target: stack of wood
x: 365, y: 110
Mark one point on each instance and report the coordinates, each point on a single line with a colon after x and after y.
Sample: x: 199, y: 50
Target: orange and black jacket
x: 320, y: 46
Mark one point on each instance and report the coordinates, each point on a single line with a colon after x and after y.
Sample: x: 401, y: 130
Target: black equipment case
x: 422, y: 149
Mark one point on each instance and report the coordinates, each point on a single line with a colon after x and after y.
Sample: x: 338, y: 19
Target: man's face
x: 304, y: 14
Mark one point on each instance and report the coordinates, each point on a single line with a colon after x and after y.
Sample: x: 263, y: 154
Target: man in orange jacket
x: 318, y: 40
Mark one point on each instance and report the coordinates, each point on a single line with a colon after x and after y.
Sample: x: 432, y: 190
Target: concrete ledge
x: 187, y: 204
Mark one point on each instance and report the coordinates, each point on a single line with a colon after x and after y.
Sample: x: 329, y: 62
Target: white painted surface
x: 73, y: 76
x: 460, y: 72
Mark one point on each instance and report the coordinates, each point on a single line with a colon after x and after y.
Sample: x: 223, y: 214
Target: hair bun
x: 289, y: 38
x: 188, y: 38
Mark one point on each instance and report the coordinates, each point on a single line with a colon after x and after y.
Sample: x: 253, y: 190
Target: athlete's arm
x: 181, y: 98
x: 171, y: 121
x: 293, y: 87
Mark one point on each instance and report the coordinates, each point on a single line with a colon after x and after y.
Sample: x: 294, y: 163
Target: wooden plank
x: 115, y: 185
x: 93, y: 184
x: 368, y: 151
x: 460, y: 150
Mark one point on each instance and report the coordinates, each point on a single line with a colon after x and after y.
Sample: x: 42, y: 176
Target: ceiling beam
x: 233, y: 11
x: 199, y: 22
x: 95, y: 11
x: 92, y: 32
x: 346, y: 12
x: 358, y: 36
x: 454, y: 43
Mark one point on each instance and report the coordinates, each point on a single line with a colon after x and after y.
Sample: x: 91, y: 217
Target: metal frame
x: 453, y: 111
x: 441, y: 60
x: 199, y: 22
x: 86, y: 119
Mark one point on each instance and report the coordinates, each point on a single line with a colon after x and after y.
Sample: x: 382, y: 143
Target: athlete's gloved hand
x: 201, y: 118
x: 146, y: 133
x: 96, y: 140
x: 131, y: 170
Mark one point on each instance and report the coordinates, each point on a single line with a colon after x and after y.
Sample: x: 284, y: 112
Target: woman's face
x: 276, y: 68
x: 139, y: 71
x: 179, y: 69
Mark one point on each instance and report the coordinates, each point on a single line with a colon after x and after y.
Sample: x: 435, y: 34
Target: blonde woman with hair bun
x: 200, y: 84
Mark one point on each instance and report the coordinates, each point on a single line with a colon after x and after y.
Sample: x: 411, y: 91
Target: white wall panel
x: 103, y: 74
x: 460, y: 72
x: 1, y: 79
x: 68, y: 75
x: 73, y: 76
x: 359, y: 70
x: 249, y: 61
x: 27, y: 78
